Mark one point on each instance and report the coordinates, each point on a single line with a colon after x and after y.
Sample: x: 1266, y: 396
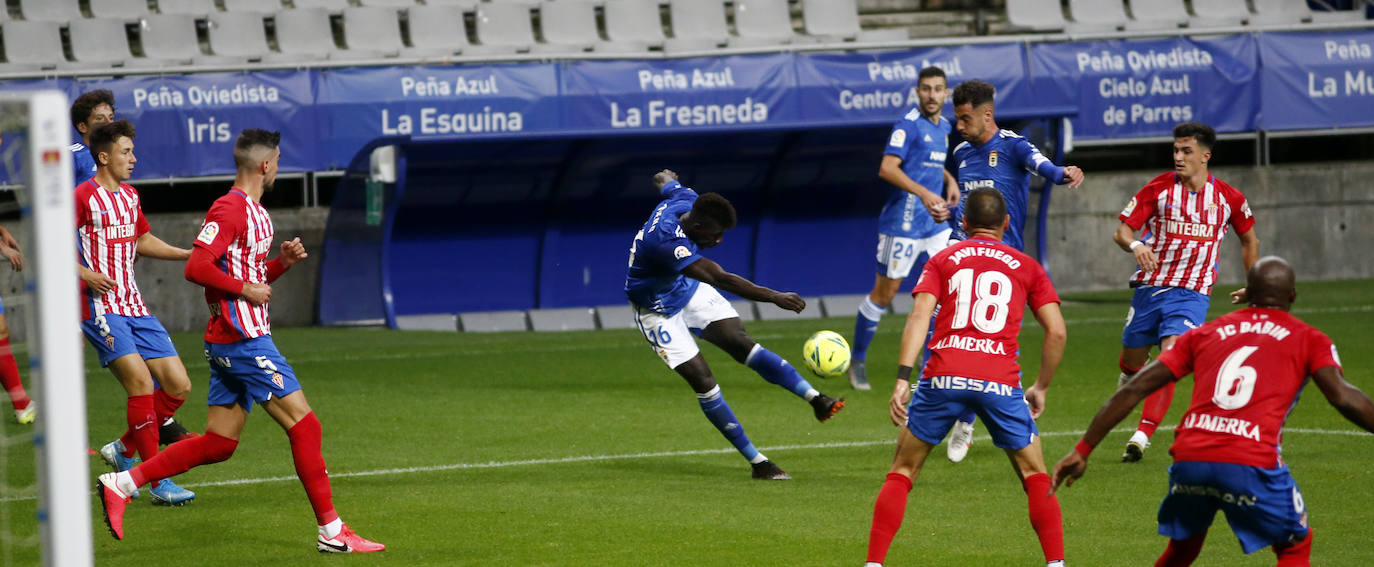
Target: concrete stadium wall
x: 1317, y: 216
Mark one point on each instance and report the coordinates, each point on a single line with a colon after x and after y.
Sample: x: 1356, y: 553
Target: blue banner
x: 1317, y: 80
x: 1125, y: 89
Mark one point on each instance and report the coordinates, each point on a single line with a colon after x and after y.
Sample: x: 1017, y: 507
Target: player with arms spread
x: 911, y: 227
x: 1186, y: 212
x: 1248, y: 368
x: 1002, y: 160
x: 230, y: 261
x: 982, y: 287
x: 111, y: 233
x: 672, y: 289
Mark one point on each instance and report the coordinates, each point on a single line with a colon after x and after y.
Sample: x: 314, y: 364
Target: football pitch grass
x: 581, y: 448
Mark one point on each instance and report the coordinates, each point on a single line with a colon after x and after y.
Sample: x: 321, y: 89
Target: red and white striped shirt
x: 238, y: 233
x: 108, y: 224
x: 1186, y: 228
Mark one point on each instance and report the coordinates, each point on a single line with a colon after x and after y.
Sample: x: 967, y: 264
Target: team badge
x: 209, y: 232
x: 992, y: 159
x: 277, y: 379
x: 898, y: 138
x: 663, y: 354
x: 109, y: 341
x: 681, y: 252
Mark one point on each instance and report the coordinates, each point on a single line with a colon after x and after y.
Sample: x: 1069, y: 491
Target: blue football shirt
x: 83, y: 165
x: 922, y: 145
x: 1005, y: 163
x: 661, y: 250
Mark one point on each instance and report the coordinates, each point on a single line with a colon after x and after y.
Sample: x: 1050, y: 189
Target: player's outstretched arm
x: 292, y: 251
x: 1051, y: 354
x: 1354, y: 404
x: 891, y: 171
x: 913, y: 337
x: 9, y: 248
x: 1117, y: 407
x: 707, y: 271
x: 153, y: 247
x: 663, y: 177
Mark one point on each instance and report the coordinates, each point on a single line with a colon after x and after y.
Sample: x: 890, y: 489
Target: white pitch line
x: 649, y: 455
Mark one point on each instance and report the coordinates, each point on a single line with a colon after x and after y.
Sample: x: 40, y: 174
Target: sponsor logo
x: 898, y: 139
x: 109, y: 341
x: 971, y: 344
x: 927, y: 138
x: 681, y: 252
x: 971, y: 185
x: 937, y: 157
x: 992, y: 159
x: 209, y: 232
x: 1130, y: 208
x: 1245, y: 209
x: 1217, y: 424
x: 1201, y: 232
x: 142, y: 425
x: 1213, y: 492
x: 971, y: 384
x: 278, y: 380
x: 962, y: 163
x: 679, y: 233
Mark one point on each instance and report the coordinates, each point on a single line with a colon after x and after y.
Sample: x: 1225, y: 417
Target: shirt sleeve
x: 677, y: 252
x: 1033, y: 160
x: 1179, y: 357
x: 676, y: 190
x: 1139, y: 209
x: 141, y: 226
x: 1241, y: 217
x: 1321, y: 352
x: 930, y: 281
x: 222, y: 226
x: 899, y: 141
x: 83, y: 210
x: 1042, y: 290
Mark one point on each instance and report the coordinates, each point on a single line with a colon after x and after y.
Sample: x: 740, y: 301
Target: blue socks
x: 777, y: 371
x: 718, y: 412
x: 865, y: 326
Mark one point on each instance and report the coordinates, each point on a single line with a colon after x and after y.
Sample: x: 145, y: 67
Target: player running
x: 230, y: 261
x: 1186, y: 213
x: 672, y: 288
x: 982, y: 287
x: 1002, y: 160
x: 111, y: 233
x: 911, y: 227
x: 25, y: 411
x: 1248, y: 369
x: 89, y: 111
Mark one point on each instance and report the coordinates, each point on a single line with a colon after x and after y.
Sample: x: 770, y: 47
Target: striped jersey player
x: 1186, y: 214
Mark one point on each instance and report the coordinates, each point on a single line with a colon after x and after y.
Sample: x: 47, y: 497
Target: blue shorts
x: 1263, y: 506
x: 114, y: 336
x: 248, y: 371
x: 1158, y: 312
x: 939, y: 400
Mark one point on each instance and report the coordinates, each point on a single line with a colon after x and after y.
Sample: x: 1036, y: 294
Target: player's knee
x: 220, y: 448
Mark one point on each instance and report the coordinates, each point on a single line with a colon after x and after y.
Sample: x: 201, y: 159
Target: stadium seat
x: 61, y: 11
x: 1156, y: 14
x: 770, y: 312
x: 126, y: 10
x: 746, y: 310
x: 370, y: 33
x: 259, y: 6
x: 841, y: 305
x: 431, y: 322
x: 193, y: 8
x: 570, y: 319
x: 387, y: 3
x: 33, y: 45
x: 493, y: 321
x: 241, y: 35
x: 170, y: 39
x: 1216, y: 13
x: 1036, y: 15
x: 569, y: 25
x: 1354, y: 14
x: 100, y: 42
x: 332, y: 6
x: 634, y: 22
x: 615, y: 317
x: 1096, y: 15
x: 697, y: 25
x: 505, y: 26
x: 762, y: 22
x: 305, y: 32
x: 1280, y: 12
x: 438, y: 31
x: 838, y: 20
x: 464, y: 4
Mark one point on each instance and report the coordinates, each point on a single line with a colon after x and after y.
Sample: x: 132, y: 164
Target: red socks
x: 1045, y: 516
x: 1296, y: 555
x: 141, y: 437
x: 306, y: 439
x: 9, y: 377
x: 164, y: 405
x: 1181, y: 552
x: 1156, y: 405
x: 1121, y: 362
x: 887, y: 515
x: 183, y: 456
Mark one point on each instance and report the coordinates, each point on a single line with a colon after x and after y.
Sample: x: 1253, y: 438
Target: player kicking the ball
x: 673, y: 289
x: 230, y: 261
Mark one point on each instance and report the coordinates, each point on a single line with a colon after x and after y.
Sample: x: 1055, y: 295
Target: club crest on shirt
x: 277, y: 379
x: 992, y: 159
x: 681, y: 252
x: 109, y: 341
x: 209, y: 232
x: 898, y: 138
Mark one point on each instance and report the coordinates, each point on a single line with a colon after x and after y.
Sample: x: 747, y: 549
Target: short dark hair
x: 104, y: 136
x: 716, y: 209
x: 250, y: 139
x: 86, y: 103
x: 985, y: 207
x: 1204, y: 134
x: 931, y: 71
x: 974, y: 92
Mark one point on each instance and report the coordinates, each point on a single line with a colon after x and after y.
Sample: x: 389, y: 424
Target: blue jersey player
x: 911, y: 227
x: 89, y: 111
x: 672, y: 289
x: 1003, y: 160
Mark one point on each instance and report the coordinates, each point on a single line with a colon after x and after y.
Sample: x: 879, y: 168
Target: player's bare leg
x: 24, y: 408
x: 1045, y: 515
x: 866, y: 325
x: 890, y: 508
x: 1155, y: 407
x: 306, y: 436
x: 698, y: 375
x: 1182, y: 552
x: 176, y: 386
x: 730, y: 336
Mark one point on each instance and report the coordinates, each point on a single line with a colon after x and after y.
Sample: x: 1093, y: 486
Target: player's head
x: 973, y: 109
x: 256, y: 153
x: 986, y: 210
x: 1271, y: 283
x: 1193, y: 143
x: 91, y: 110
x: 112, y: 146
x: 932, y: 88
x: 708, y: 220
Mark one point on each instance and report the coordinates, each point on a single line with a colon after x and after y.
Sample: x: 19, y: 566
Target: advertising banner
x: 1317, y: 80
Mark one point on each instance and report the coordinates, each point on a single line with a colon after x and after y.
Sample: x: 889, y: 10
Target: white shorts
x: 671, y: 336
x: 896, y: 254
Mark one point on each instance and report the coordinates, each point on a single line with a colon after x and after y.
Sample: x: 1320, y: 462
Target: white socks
x: 332, y: 529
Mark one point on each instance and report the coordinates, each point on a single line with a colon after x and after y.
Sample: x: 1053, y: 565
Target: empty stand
x: 370, y: 33
x: 61, y: 11
x: 241, y: 35
x: 838, y: 20
x: 1096, y: 15
x: 1214, y: 13
x: 126, y: 10
x: 505, y: 26
x: 33, y: 45
x: 170, y: 39
x: 260, y: 6
x: 387, y: 3
x: 1036, y: 15
x: 332, y: 6
x: 100, y: 42
x: 634, y: 21
x: 194, y: 8
x: 437, y: 30
x: 1278, y: 12
x: 1157, y: 14
x: 762, y: 22
x: 569, y: 23
x: 464, y: 4
x: 697, y: 24
x: 305, y: 33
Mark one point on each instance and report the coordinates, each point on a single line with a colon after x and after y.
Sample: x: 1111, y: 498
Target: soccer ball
x: 826, y: 353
